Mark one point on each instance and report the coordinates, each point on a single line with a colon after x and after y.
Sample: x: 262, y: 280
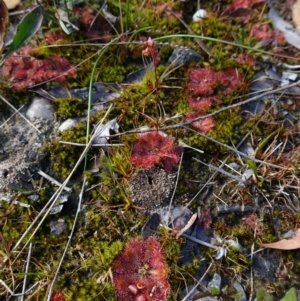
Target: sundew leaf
x: 263, y: 295
x: 3, y: 24
x: 28, y: 26
x: 20, y: 189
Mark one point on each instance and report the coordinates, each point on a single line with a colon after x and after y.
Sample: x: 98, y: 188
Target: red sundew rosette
x: 202, y: 81
x: 155, y: 148
x: 140, y: 272
x: 202, y: 125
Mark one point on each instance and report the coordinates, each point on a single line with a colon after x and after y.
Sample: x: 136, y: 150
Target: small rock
x: 199, y: 15
x: 57, y: 227
x: 240, y: 290
x: 40, y: 108
x: 215, y: 284
x: 69, y: 123
x: 182, y: 56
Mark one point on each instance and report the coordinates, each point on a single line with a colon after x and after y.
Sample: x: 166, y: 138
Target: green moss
x: 223, y: 131
x: 63, y: 157
x: 113, y: 74
x: 69, y: 107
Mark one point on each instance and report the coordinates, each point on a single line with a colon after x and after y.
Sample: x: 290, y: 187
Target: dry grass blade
x: 26, y: 271
x: 69, y: 241
x: 52, y: 180
x: 17, y: 111
x: 54, y: 198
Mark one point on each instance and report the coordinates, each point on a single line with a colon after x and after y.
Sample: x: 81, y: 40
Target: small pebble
x: 199, y: 15
x: 40, y: 108
x: 57, y: 227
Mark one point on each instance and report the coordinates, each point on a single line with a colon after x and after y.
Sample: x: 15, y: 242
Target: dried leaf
x: 187, y: 226
x: 3, y: 24
x: 296, y: 14
x: 286, y: 244
x: 11, y: 4
x: 291, y: 35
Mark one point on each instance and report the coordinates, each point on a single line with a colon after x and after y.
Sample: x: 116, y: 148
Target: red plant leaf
x: 155, y: 148
x: 202, y: 125
x: 140, y: 272
x: 202, y: 81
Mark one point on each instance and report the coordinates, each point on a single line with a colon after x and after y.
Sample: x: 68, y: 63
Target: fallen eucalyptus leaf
x: 12, y: 3
x: 28, y: 26
x: 285, y: 244
x: 3, y: 24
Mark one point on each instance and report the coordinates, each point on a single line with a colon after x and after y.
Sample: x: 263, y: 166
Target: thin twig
x: 236, y: 151
x: 15, y: 113
x: 254, y: 98
x: 220, y: 170
x: 93, y: 145
x: 176, y: 184
x: 52, y: 180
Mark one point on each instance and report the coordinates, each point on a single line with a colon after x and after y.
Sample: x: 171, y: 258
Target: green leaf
x: 19, y: 189
x: 290, y: 295
x: 28, y: 26
x: 215, y: 291
x: 263, y: 295
x: 252, y: 165
x: 3, y: 24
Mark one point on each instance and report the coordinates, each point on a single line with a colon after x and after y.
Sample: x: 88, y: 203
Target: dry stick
x: 17, y: 111
x: 176, y: 184
x: 53, y: 181
x: 57, y: 193
x: 224, y: 172
x: 94, y: 145
x: 179, y: 125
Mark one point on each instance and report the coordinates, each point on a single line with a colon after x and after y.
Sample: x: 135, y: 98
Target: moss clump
x: 113, y: 74
x: 63, y: 157
x: 69, y: 107
x: 225, y: 124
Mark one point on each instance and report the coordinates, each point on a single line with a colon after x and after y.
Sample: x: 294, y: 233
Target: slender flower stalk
x: 152, y: 51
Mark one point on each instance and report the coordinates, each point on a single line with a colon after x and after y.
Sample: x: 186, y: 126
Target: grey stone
x: 182, y: 56
x: 40, y: 108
